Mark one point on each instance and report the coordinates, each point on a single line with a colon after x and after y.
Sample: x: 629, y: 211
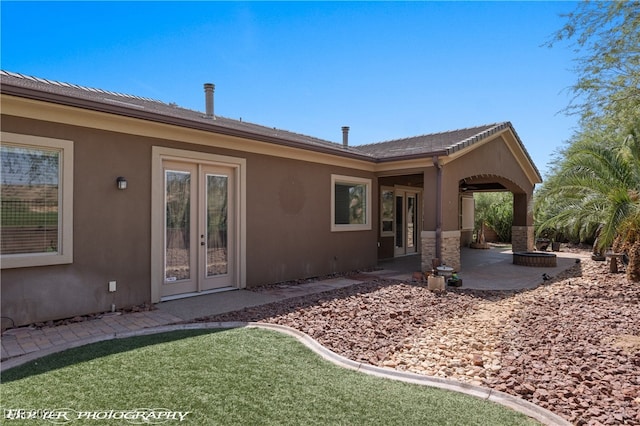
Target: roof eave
x: 125, y: 111
x: 526, y: 153
x: 428, y: 155
x: 496, y: 130
x: 212, y: 127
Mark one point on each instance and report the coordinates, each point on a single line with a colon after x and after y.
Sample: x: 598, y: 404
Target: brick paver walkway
x: 24, y: 340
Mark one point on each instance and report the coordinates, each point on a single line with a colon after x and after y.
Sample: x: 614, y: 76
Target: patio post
x: 438, y: 164
x: 522, y: 229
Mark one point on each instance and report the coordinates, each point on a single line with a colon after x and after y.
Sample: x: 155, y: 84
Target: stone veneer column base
x: 522, y: 238
x: 450, y: 249
x: 428, y: 246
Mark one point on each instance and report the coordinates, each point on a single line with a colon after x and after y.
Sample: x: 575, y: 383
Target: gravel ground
x: 571, y: 346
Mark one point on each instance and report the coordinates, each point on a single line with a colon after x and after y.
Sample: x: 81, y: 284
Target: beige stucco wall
x: 492, y: 158
x: 288, y: 223
x: 111, y: 233
x: 288, y: 201
x: 287, y: 237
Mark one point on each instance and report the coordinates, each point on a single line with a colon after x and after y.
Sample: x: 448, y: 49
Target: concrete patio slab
x: 289, y: 291
x: 497, y: 272
x: 490, y: 269
x: 190, y: 308
x: 218, y: 303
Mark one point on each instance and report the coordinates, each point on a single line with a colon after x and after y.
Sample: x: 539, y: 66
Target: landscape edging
x: 527, y: 408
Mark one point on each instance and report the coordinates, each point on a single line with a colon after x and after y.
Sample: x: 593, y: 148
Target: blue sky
x: 386, y: 69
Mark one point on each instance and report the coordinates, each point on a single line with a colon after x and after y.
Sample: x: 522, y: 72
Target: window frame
x: 64, y: 255
x: 350, y: 180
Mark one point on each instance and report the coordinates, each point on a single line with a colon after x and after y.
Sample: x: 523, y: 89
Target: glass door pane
x: 386, y: 211
x: 399, y: 221
x: 407, y: 222
x: 200, y: 252
x: 411, y: 221
x: 217, y: 225
x: 178, y: 225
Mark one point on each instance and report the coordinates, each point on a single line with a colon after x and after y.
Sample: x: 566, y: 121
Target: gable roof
x: 444, y: 143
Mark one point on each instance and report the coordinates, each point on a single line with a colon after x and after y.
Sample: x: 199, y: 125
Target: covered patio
x: 427, y: 183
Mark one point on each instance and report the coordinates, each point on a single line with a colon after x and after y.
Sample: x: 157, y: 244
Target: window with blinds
x: 35, y: 209
x: 30, y: 199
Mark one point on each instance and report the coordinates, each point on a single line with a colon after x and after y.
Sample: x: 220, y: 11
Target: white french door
x: 407, y: 222
x: 199, y: 224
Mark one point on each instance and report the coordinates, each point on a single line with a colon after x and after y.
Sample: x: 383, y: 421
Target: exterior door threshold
x: 196, y: 293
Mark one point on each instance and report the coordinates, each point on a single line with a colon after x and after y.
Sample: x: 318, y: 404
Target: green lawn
x: 232, y: 377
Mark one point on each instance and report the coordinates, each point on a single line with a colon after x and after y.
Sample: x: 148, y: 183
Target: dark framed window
x: 351, y: 203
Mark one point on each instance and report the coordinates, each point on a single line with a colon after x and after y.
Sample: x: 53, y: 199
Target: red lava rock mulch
x: 571, y: 346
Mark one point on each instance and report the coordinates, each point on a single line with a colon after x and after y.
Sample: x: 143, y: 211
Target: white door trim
x: 405, y: 192
x: 160, y: 154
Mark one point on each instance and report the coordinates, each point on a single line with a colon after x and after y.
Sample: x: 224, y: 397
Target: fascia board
x: 77, y: 116
x: 514, y: 147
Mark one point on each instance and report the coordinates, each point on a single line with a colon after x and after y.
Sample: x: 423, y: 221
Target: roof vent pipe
x: 208, y: 95
x: 345, y: 135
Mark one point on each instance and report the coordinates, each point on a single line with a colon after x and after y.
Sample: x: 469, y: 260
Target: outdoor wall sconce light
x: 121, y: 182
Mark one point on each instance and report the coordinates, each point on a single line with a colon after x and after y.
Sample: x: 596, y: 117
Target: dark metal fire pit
x: 534, y: 258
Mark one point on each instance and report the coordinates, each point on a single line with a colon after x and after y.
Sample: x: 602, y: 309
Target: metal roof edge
x: 496, y: 127
x: 524, y: 149
x: 124, y: 110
